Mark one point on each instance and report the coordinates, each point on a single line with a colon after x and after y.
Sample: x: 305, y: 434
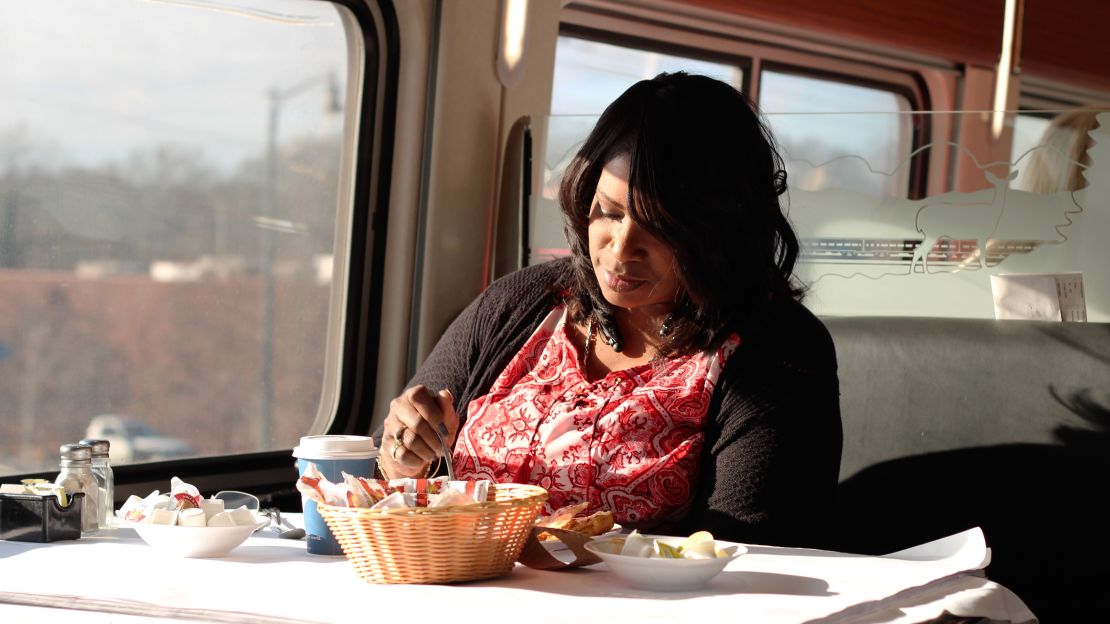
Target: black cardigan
x: 773, y: 436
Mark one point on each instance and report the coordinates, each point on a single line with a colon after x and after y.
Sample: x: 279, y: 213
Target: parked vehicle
x: 134, y: 441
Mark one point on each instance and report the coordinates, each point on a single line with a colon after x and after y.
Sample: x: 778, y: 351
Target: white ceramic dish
x: 660, y: 574
x: 195, y: 541
x: 613, y: 532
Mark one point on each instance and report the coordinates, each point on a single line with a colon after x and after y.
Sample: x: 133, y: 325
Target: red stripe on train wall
x: 1063, y: 40
x: 958, y: 30
x: 1066, y: 41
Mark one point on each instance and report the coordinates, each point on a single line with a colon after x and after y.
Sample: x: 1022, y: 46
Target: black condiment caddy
x: 39, y: 517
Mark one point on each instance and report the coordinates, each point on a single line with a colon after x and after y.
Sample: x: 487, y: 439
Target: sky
x: 91, y: 81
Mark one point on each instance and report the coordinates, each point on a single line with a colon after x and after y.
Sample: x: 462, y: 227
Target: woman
x: 665, y: 371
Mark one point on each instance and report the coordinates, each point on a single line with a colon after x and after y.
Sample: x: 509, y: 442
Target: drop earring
x: 610, y: 333
x: 665, y: 328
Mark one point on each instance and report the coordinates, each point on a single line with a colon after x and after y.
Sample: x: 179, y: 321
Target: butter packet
x: 37, y: 487
x: 370, y: 493
x: 136, y: 509
x: 184, y: 495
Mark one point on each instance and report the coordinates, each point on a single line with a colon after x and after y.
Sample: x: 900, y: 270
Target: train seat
x: 1005, y: 425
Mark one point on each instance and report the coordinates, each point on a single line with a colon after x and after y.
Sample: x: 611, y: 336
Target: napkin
x: 536, y: 555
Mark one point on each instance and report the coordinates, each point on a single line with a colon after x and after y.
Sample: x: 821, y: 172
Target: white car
x: 134, y: 441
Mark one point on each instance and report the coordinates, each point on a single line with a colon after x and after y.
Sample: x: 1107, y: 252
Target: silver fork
x: 441, y: 433
x: 281, y: 526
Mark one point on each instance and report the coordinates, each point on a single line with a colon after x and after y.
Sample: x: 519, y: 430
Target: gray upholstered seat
x: 953, y: 423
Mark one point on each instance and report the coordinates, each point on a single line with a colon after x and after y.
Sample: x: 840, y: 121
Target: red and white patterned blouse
x: 629, y: 442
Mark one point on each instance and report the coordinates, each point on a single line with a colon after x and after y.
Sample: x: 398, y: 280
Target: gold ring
x: 393, y: 453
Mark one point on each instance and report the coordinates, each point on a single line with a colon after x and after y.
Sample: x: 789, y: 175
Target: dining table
x: 114, y: 576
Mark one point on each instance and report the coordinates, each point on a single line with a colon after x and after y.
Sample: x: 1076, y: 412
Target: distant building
x: 96, y: 269
x: 205, y: 267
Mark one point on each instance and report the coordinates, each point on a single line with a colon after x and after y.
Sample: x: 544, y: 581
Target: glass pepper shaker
x: 76, y: 476
x: 105, y: 481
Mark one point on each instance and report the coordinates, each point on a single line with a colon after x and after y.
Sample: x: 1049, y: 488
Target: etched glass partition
x: 1035, y: 200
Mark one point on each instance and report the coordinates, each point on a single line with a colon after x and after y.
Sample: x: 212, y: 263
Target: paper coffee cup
x: 333, y: 455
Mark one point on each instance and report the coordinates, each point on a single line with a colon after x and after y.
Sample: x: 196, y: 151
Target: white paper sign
x: 1039, y: 296
x: 1073, y: 304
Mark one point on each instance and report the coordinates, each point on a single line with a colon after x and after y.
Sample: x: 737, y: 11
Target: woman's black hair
x: 705, y: 178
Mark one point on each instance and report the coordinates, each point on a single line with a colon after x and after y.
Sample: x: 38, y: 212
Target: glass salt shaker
x: 76, y: 476
x: 105, y: 481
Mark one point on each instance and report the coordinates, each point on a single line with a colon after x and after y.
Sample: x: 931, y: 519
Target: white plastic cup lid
x: 335, y: 447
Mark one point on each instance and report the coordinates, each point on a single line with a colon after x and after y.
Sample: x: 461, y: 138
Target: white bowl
x: 660, y: 574
x: 195, y: 541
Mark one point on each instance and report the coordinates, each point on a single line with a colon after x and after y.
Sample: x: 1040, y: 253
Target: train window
x: 825, y: 125
x: 171, y: 208
x: 825, y: 133
x: 591, y: 74
x: 588, y: 76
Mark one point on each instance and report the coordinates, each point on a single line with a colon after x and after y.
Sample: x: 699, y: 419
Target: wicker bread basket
x: 438, y: 545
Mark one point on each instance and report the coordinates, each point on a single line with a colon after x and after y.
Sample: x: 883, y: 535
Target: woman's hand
x: 409, y: 440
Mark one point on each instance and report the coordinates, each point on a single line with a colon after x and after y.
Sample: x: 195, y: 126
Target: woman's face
x: 634, y: 268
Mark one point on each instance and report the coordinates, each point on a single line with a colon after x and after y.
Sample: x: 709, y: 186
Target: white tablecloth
x: 274, y: 580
